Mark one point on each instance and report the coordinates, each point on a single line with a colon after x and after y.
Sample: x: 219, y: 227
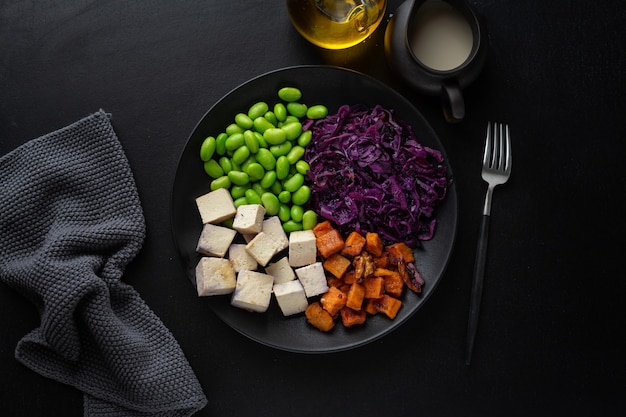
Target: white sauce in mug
x: 443, y: 37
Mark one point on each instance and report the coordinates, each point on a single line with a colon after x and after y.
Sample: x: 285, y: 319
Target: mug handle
x: 453, y: 103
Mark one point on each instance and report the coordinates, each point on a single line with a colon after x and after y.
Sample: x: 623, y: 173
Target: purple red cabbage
x: 370, y: 173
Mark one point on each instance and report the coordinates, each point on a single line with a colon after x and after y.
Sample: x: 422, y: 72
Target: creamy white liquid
x: 442, y: 37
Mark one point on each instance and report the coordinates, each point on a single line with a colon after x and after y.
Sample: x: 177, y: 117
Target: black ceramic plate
x: 333, y: 87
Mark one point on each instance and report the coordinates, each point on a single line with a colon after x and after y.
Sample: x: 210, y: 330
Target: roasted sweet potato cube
x: 345, y: 288
x: 333, y: 300
x: 334, y: 282
x: 349, y: 277
x: 336, y: 264
x: 399, y: 251
x: 329, y: 243
x: 350, y: 317
x: 322, y: 228
x: 388, y: 305
x: 370, y: 306
x: 382, y: 261
x: 319, y: 317
x: 394, y: 284
x: 355, y: 242
x: 355, y: 296
x: 374, y: 287
x: 373, y: 244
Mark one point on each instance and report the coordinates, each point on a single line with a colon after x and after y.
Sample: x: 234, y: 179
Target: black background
x: 551, y: 328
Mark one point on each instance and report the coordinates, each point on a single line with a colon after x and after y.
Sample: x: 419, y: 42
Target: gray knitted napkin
x: 70, y: 222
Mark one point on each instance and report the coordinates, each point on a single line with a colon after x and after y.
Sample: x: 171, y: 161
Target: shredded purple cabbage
x: 369, y: 173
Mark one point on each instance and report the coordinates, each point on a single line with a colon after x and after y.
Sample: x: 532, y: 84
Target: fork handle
x: 477, y: 286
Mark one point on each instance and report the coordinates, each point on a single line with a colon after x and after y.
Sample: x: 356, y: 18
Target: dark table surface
x: 552, y: 321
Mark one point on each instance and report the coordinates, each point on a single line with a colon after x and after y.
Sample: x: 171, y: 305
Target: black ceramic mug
x: 438, y: 47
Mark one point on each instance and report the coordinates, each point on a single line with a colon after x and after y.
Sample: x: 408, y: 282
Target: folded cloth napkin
x: 70, y: 222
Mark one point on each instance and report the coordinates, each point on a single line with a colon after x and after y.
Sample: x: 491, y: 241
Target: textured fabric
x: 70, y: 222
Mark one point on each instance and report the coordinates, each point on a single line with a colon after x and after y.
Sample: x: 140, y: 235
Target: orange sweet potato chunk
x: 336, y: 264
x: 374, y: 287
x: 355, y: 296
x: 388, y: 305
x: 370, y: 306
x: 349, y: 277
x: 355, y: 242
x: 394, y: 284
x: 329, y: 243
x: 322, y: 228
x: 400, y: 250
x: 373, y: 244
x: 319, y: 317
x: 333, y: 300
x: 350, y: 317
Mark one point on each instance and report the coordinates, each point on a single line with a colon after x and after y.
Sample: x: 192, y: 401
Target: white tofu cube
x: 214, y: 276
x: 215, y: 240
x: 313, y: 279
x: 274, y: 227
x: 291, y: 297
x: 281, y: 271
x: 216, y: 206
x: 249, y: 219
x: 262, y: 248
x: 240, y: 259
x: 302, y: 248
x: 253, y: 291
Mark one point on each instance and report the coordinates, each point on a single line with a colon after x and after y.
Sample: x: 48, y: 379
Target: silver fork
x: 497, y: 161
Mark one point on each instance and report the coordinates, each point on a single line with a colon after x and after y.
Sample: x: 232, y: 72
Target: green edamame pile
x: 258, y: 158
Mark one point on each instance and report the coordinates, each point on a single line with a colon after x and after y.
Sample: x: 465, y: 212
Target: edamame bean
x: 277, y: 188
x: 302, y: 167
x: 255, y: 171
x: 270, y: 202
x: 207, y: 148
x: 282, y: 168
x: 237, y: 191
x: 213, y: 169
x: 259, y: 138
x: 291, y: 226
x: 220, y: 143
x: 251, y: 141
x: 221, y: 182
x: 305, y: 138
x: 284, y: 212
x: 297, y: 109
x: 243, y: 121
x: 293, y: 183
x: 269, y: 178
x: 282, y: 149
x: 301, y: 196
x: 252, y: 196
x: 250, y: 160
x: 238, y: 177
x: 296, y: 213
x: 290, y: 119
x: 280, y: 111
x: 234, y: 141
x: 289, y: 94
x: 226, y: 164
x: 284, y: 197
x: 261, y: 124
x: 233, y: 128
x: 266, y: 159
x: 317, y: 112
x: 271, y: 117
x: 274, y: 136
x: 257, y: 110
x: 241, y: 201
x: 241, y: 154
x: 295, y: 154
x: 258, y: 189
x: 309, y: 220
x: 292, y: 129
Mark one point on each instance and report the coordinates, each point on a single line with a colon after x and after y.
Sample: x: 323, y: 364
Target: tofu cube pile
x: 251, y: 272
